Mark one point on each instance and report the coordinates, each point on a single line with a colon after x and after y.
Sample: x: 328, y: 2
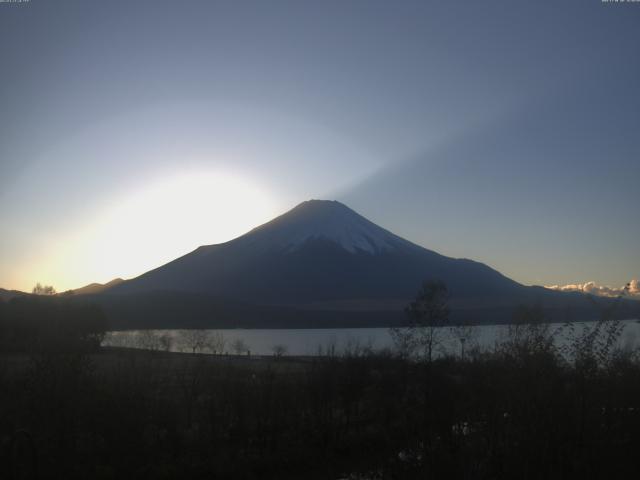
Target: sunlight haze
x: 150, y: 226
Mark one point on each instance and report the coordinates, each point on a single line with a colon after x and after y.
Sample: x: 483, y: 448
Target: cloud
x: 593, y: 288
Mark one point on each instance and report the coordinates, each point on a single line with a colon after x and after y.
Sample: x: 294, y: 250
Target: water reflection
x: 329, y: 341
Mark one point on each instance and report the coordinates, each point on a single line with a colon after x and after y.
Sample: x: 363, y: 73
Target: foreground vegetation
x: 528, y: 409
x: 520, y: 412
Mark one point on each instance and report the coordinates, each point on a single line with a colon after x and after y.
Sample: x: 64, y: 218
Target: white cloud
x: 593, y: 288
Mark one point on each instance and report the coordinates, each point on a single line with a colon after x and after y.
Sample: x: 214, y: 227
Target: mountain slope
x: 6, y: 295
x: 318, y: 251
x: 93, y: 288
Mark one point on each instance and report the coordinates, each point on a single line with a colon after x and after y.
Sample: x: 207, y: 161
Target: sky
x: 132, y: 132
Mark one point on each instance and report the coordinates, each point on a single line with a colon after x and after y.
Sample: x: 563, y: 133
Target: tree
x: 148, y: 340
x: 43, y: 290
x: 279, y: 350
x: 194, y: 340
x: 427, y: 313
x: 239, y: 347
x: 216, y: 342
x: 165, y: 341
x: 465, y: 334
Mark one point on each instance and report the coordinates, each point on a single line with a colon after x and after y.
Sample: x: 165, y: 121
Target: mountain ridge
x: 94, y: 287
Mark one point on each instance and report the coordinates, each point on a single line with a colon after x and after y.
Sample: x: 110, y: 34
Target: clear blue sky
x: 503, y: 131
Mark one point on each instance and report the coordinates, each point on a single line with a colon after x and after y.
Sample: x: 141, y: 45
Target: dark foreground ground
x: 520, y: 412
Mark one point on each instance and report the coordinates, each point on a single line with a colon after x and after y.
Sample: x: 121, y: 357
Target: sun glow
x: 160, y: 222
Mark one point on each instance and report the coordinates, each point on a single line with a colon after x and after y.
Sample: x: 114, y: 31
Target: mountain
x: 319, y: 264
x: 7, y: 295
x: 93, y: 288
x: 320, y: 251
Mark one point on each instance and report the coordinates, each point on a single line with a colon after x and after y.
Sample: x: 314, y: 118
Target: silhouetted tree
x: 148, y: 340
x: 464, y: 333
x: 427, y: 313
x: 279, y: 350
x: 43, y: 290
x: 165, y: 342
x: 195, y: 340
x: 239, y: 346
x: 216, y: 342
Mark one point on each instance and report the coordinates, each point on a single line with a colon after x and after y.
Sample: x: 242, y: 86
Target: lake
x: 315, y: 341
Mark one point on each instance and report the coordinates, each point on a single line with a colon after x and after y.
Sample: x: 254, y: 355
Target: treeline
x: 520, y: 411
x: 46, y: 323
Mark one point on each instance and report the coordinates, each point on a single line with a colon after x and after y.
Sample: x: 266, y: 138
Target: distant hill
x: 7, y: 295
x: 93, y: 288
x: 320, y: 264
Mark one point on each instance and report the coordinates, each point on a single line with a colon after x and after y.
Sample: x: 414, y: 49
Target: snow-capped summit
x: 324, y: 220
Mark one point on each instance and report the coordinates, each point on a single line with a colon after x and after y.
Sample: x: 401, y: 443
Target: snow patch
x: 327, y: 220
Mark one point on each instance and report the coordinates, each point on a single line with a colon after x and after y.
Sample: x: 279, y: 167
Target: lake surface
x: 339, y: 340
